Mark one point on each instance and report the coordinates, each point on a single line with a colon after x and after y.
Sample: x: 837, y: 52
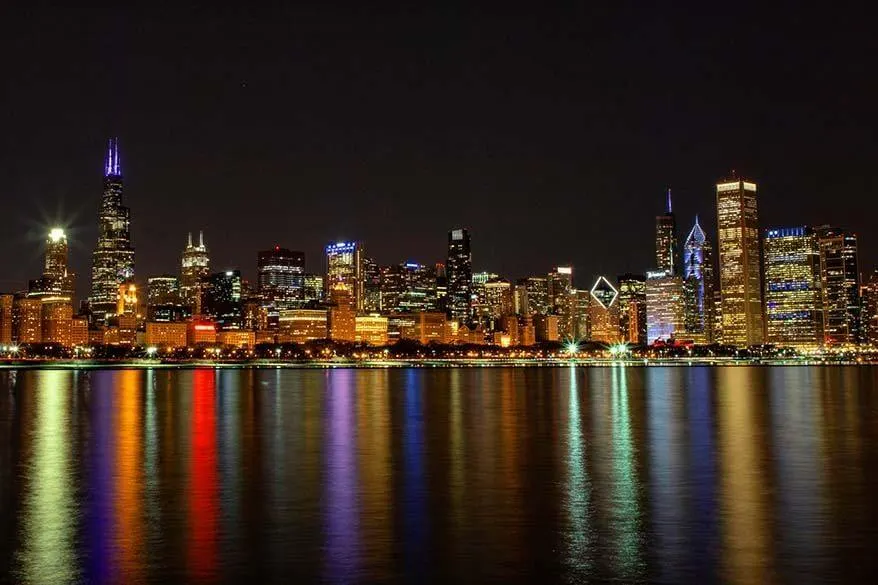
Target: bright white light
x: 56, y: 235
x: 572, y: 347
x: 618, y: 349
x: 151, y: 350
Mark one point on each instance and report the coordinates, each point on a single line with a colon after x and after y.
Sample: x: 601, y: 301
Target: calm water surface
x: 729, y: 474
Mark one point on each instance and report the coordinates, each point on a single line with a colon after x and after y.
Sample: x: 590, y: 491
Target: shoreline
x: 414, y: 363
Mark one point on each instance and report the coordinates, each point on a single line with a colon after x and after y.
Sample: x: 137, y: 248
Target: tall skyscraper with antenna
x: 666, y: 240
x: 113, y: 257
x: 195, y: 266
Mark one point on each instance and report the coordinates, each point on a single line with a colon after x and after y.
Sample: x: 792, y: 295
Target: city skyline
x: 537, y: 130
x: 812, y: 295
x: 80, y: 249
x: 667, y: 241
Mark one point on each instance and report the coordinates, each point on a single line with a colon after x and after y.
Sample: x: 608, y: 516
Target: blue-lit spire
x: 113, y: 166
x: 670, y: 210
x: 696, y: 235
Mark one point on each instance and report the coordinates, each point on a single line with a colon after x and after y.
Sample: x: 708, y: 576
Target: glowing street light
x: 618, y: 349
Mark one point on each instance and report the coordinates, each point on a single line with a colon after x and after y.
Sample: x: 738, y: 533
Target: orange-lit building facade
x: 603, y: 312
x: 57, y: 323
x: 371, y: 329
x: 201, y: 332
x: 167, y: 334
x: 301, y: 325
x: 27, y: 320
x: 739, y: 263
x: 236, y: 338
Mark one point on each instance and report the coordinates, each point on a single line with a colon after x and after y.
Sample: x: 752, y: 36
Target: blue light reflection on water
x: 465, y: 475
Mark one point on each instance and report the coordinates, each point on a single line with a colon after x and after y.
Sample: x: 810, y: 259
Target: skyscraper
x: 698, y: 285
x: 113, y: 257
x: 313, y: 288
x: 666, y: 240
x: 419, y: 288
x: 57, y: 281
x: 222, y: 299
x: 459, y: 271
x: 603, y: 312
x: 664, y: 306
x: 840, y: 276
x: 869, y: 316
x: 498, y: 298
x: 280, y: 277
x: 739, y: 262
x: 793, y: 295
x: 194, y: 267
x: 371, y: 286
x: 163, y: 299
x: 537, y: 295
x: 560, y: 300
x: 344, y: 267
x: 632, y: 308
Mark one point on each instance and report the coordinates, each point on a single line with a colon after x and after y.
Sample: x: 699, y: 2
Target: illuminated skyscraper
x: 419, y: 288
x: 481, y: 310
x: 793, y: 295
x: 56, y: 283
x: 280, y: 277
x: 560, y: 300
x: 342, y: 316
x: 519, y: 298
x: 632, y: 308
x: 840, y: 276
x: 56, y: 323
x: 498, y: 297
x: 371, y: 286
x: 313, y: 288
x: 27, y: 317
x: 739, y: 262
x: 163, y: 299
x: 441, y: 287
x: 664, y: 306
x: 537, y: 295
x: 222, y: 299
x: 666, y: 240
x: 113, y: 257
x: 869, y: 317
x: 194, y: 267
x: 344, y: 267
x: 459, y: 272
x: 603, y: 312
x: 698, y: 285
x: 6, y: 302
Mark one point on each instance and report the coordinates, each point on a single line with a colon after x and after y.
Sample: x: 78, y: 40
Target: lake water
x: 452, y: 475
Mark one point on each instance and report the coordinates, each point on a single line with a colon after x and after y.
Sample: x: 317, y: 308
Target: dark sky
x: 550, y: 133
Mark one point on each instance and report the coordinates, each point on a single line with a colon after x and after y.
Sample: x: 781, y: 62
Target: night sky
x: 551, y: 134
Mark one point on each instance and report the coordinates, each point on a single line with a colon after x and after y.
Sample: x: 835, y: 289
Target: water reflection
x: 128, y: 534
x: 375, y: 474
x: 341, y: 476
x: 49, y: 516
x: 580, y: 541
x: 626, y: 513
x: 747, y: 539
x: 622, y: 474
x: 203, y: 487
x: 414, y: 488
